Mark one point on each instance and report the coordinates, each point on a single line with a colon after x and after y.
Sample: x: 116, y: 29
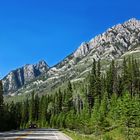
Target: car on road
x: 31, y: 126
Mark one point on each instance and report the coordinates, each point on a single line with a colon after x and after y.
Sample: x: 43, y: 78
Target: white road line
x: 55, y: 136
x: 66, y: 136
x: 49, y: 134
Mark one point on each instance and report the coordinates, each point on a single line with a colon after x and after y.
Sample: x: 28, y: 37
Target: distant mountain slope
x: 113, y: 44
x: 17, y: 78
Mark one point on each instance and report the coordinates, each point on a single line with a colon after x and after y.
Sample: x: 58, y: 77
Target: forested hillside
x: 102, y: 103
x: 117, y: 41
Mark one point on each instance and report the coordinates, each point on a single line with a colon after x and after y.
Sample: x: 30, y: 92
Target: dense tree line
x: 10, y: 114
x: 107, y: 101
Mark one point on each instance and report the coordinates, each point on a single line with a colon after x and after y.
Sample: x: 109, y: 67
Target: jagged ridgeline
x: 105, y: 106
x: 119, y: 41
x: 95, y: 90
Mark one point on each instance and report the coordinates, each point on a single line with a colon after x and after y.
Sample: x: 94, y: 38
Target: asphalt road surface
x: 34, y: 134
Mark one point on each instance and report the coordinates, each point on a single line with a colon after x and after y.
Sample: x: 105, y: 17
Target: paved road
x: 34, y: 134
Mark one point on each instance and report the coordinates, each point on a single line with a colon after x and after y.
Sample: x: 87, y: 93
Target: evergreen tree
x: 36, y: 107
x: 43, y: 106
x: 60, y: 101
x: 125, y: 75
x: 25, y: 114
x: 95, y: 118
x: 32, y: 108
x: 13, y: 122
x: 1, y: 107
x: 98, y: 82
x: 91, y: 91
x: 98, y: 104
x: 119, y: 90
x: 68, y: 103
x: 1, y: 96
x: 111, y: 77
x: 104, y: 110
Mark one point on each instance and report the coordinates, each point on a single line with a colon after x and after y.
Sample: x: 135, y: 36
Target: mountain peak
x: 132, y: 23
x: 21, y: 76
x: 122, y: 34
x: 43, y: 63
x: 112, y: 44
x: 132, y: 20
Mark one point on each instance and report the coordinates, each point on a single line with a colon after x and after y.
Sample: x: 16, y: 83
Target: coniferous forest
x: 106, y: 101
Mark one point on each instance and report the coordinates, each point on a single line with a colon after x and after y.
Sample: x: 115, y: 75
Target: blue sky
x: 32, y: 30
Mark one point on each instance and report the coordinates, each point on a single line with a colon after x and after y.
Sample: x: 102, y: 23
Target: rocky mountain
x: 117, y: 41
x: 112, y: 43
x: 21, y: 76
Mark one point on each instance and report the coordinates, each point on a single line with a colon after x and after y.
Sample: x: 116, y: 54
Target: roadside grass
x: 77, y: 136
x: 116, y: 134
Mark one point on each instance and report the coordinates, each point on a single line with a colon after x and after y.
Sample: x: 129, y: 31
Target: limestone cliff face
x: 117, y: 41
x: 17, y: 78
x: 114, y: 42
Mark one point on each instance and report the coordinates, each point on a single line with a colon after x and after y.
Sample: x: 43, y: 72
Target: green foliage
x: 107, y: 137
x: 32, y: 108
x: 1, y: 106
x: 101, y: 104
x: 78, y: 136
